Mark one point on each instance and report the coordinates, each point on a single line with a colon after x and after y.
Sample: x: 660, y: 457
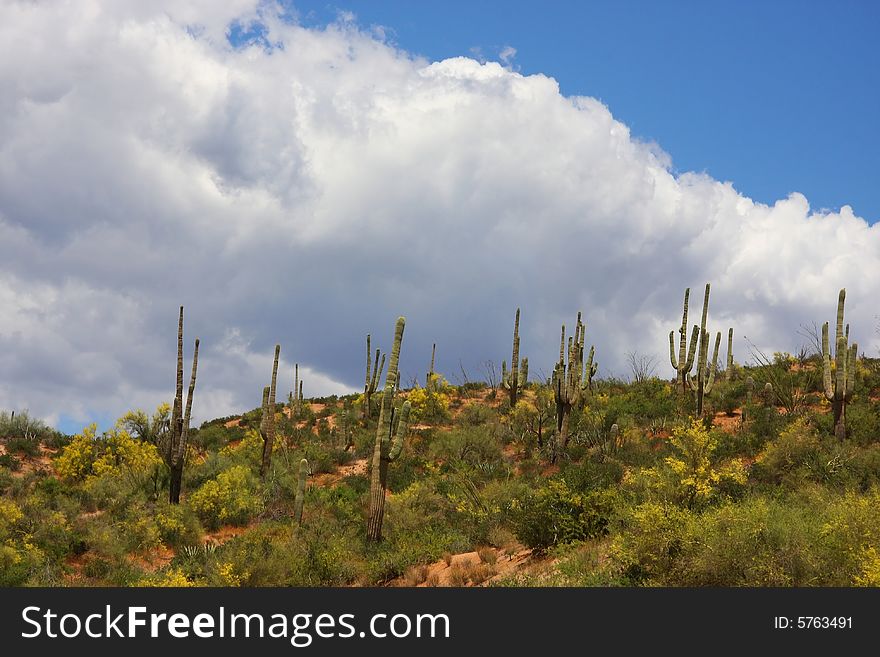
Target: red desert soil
x: 467, y: 568
x: 330, y: 479
x: 41, y: 464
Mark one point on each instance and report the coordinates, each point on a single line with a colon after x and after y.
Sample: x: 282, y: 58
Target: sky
x: 304, y: 173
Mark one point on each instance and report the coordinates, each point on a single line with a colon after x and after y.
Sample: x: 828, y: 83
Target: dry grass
x: 415, y: 575
x: 459, y: 574
x: 487, y: 555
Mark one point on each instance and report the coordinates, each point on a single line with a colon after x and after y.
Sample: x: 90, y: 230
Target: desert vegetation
x: 762, y: 474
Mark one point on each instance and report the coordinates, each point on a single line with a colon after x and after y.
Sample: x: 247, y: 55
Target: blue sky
x: 776, y: 97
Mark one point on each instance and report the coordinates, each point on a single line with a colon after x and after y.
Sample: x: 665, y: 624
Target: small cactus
x: 750, y: 389
x: 300, y: 491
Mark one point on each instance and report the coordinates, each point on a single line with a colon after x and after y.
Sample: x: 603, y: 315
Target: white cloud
x: 310, y: 192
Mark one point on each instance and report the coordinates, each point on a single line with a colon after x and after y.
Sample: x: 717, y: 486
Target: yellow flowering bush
x: 428, y: 406
x: 76, y: 459
x: 231, y: 498
x: 689, y: 477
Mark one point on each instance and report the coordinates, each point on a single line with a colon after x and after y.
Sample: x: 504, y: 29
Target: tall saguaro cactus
x: 571, y: 382
x: 685, y: 355
x: 429, y: 377
x: 839, y: 388
x: 389, y: 439
x: 179, y: 429
x: 372, y: 380
x: 269, y: 419
x: 518, y: 375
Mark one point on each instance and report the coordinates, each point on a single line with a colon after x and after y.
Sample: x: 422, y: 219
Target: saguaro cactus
x: 839, y: 388
x: 429, y: 377
x: 269, y: 419
x: 571, y: 382
x: 686, y: 355
x: 371, y: 380
x: 296, y: 396
x: 750, y: 389
x: 705, y: 379
x: 389, y: 439
x: 518, y: 375
x: 728, y: 371
x: 179, y: 429
x: 300, y: 491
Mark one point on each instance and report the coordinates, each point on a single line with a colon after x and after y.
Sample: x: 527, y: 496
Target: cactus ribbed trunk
x: 175, y: 456
x: 514, y: 362
x: 705, y: 375
x: 685, y: 356
x: 371, y: 381
x: 728, y: 371
x: 389, y: 439
x: 269, y: 438
x: 839, y: 388
x: 518, y: 376
x: 429, y: 378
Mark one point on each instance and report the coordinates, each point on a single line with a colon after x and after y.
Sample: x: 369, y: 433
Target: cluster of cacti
x: 267, y: 424
x: 179, y: 428
x: 296, y: 396
x: 518, y: 375
x: 300, y: 491
x: 839, y: 388
x: 701, y: 385
x: 390, y: 435
x: 372, y: 380
x: 571, y: 382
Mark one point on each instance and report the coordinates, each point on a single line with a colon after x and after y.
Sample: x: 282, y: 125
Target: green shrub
x: 862, y: 424
x: 555, y: 514
x: 178, y: 525
x: 474, y: 415
x: 757, y: 543
x: 592, y: 475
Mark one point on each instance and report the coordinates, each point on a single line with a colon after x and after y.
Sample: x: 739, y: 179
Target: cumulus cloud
x: 308, y: 186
